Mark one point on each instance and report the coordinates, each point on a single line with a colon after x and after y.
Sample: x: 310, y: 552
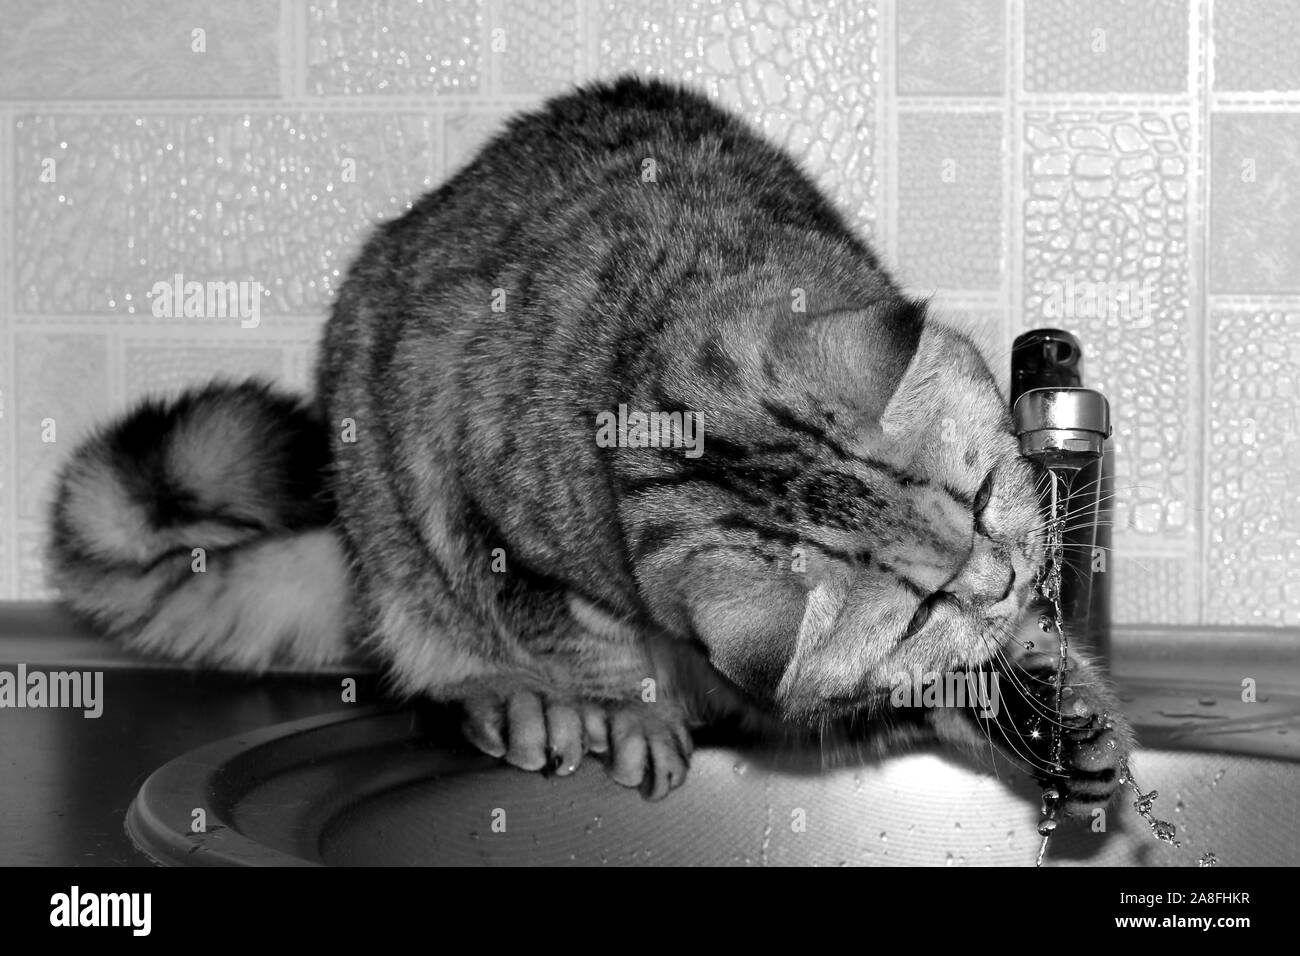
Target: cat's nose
x: 986, y: 578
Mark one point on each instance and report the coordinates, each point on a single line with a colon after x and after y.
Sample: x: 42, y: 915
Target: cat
x: 853, y: 507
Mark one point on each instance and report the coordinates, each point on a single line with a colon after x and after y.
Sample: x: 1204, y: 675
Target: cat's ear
x: 858, y: 355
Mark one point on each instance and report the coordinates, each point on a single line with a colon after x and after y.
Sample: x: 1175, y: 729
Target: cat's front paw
x: 648, y: 745
x: 533, y: 732
x: 1095, y: 737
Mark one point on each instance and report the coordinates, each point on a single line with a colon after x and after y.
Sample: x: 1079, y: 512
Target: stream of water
x: 1049, y: 587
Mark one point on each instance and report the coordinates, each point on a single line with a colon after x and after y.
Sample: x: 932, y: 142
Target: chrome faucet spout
x: 1064, y: 428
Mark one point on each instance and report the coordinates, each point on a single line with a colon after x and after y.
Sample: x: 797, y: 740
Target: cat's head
x: 872, y: 516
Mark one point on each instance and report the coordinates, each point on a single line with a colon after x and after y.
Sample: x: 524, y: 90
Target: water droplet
x: 1046, y: 827
x: 1050, y: 796
x: 1110, y: 745
x: 957, y: 825
x: 1217, y: 777
x: 948, y: 861
x: 1165, y: 831
x: 884, y: 837
x: 473, y: 834
x: 1144, y: 801
x: 1028, y: 645
x: 911, y: 827
x: 988, y: 847
x: 842, y: 863
x: 1011, y: 835
x: 1208, y: 860
x: 739, y: 768
x: 1207, y: 701
x: 1179, y: 806
x: 1044, y: 622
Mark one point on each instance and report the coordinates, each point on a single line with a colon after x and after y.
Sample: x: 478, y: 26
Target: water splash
x: 767, y: 828
x: 1049, y: 587
x: 1162, y: 830
x: 1209, y: 859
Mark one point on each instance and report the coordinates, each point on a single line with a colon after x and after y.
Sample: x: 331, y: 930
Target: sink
x: 398, y: 787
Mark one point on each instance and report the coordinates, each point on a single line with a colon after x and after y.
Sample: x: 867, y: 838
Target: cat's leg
x: 1018, y: 715
x: 647, y: 745
x: 614, y: 691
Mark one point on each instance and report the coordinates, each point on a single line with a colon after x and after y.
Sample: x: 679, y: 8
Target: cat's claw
x: 650, y: 748
x: 648, y: 745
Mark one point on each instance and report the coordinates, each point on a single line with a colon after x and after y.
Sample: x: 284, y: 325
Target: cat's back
x: 633, y: 157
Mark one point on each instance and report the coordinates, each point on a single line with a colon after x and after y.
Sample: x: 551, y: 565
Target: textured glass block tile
x: 538, y: 46
x: 950, y: 199
x: 1255, y: 202
x: 61, y: 391
x: 160, y: 367
x: 1256, y: 45
x: 1149, y: 589
x: 804, y: 71
x: 465, y: 132
x: 1105, y: 256
x: 393, y: 46
x: 1106, y: 46
x: 56, y: 49
x: 31, y: 562
x: 1253, y: 439
x: 283, y: 200
x: 951, y: 47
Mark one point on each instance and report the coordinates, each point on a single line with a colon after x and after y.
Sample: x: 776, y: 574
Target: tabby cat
x: 853, y: 507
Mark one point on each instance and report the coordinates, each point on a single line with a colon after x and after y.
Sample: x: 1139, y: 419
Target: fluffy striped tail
x: 197, y: 529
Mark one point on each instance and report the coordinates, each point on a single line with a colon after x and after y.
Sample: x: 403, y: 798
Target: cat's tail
x: 197, y: 529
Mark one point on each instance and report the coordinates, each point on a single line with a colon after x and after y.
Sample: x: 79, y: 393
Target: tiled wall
x: 993, y: 151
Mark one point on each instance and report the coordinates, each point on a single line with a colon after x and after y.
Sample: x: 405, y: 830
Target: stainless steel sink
x: 385, y: 787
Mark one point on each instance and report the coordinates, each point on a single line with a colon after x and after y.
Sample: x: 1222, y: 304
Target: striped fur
x: 859, y: 508
x: 237, y: 472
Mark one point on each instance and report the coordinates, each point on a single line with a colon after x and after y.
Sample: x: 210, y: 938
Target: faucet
x: 1064, y: 427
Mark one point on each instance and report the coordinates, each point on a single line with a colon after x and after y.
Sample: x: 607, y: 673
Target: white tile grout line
x: 286, y: 50
x: 887, y: 146
x: 303, y: 101
x: 1012, y: 58
x: 8, y: 399
x: 1198, y: 246
x: 589, y: 25
x: 489, y: 63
